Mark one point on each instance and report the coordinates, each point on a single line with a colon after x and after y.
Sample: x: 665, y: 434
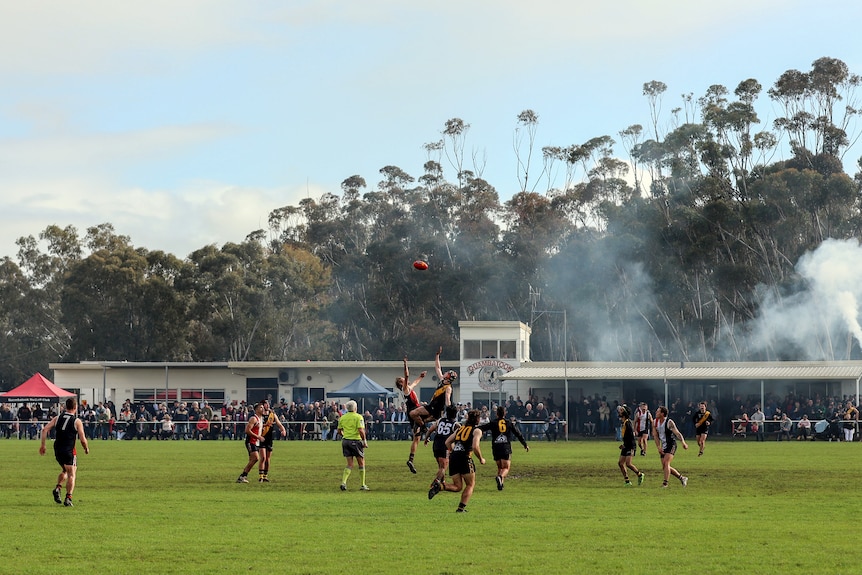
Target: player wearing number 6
x: 462, y: 444
x: 67, y: 428
x: 502, y: 434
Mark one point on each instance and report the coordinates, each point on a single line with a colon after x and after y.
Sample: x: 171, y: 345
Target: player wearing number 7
x: 68, y: 428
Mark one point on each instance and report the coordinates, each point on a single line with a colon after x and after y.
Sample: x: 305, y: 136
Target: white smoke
x: 822, y: 320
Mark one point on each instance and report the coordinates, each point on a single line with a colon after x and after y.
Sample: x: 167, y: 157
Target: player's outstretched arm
x: 437, y: 364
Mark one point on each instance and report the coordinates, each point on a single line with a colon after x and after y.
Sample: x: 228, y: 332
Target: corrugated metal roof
x: 695, y: 371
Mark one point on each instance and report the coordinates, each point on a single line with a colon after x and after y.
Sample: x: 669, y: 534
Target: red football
x: 420, y: 265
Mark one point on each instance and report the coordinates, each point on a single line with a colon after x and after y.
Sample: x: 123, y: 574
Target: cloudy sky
x: 185, y: 122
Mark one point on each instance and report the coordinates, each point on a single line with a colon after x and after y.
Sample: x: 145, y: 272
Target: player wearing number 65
x: 67, y: 428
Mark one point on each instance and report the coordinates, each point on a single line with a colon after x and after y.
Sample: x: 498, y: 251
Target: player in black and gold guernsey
x: 627, y: 449
x: 444, y: 427
x: 441, y: 398
x: 502, y: 434
x: 270, y: 420
x: 462, y: 444
x: 702, y: 420
x: 67, y: 429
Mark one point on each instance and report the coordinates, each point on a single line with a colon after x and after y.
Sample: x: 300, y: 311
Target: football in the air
x: 420, y: 265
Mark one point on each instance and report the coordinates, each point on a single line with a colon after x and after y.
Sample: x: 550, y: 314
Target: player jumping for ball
x: 441, y: 398
x: 408, y: 391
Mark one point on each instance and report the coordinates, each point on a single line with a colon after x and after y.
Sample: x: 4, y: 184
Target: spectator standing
x: 542, y: 416
x: 24, y: 416
x: 181, y: 418
x: 851, y: 419
x: 758, y: 420
x: 784, y: 427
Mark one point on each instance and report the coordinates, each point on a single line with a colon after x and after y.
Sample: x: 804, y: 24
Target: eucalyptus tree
x: 24, y: 346
x: 117, y: 305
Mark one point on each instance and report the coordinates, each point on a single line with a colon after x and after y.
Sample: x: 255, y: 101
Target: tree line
x: 664, y: 240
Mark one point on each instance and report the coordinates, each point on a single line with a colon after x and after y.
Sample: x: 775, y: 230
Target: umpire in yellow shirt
x: 351, y: 427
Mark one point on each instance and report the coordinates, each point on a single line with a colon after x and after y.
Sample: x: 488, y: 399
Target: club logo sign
x: 489, y: 371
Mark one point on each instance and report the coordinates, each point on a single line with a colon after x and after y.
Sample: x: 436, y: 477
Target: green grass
x: 173, y: 507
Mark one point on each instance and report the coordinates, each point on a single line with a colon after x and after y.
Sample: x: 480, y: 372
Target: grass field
x: 174, y: 507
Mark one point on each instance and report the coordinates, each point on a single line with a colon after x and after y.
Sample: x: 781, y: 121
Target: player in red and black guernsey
x: 627, y: 449
x: 441, y: 398
x: 270, y: 420
x: 67, y: 428
x: 253, y: 439
x: 442, y: 428
x: 462, y: 444
x: 503, y: 431
x: 411, y: 402
x: 702, y: 420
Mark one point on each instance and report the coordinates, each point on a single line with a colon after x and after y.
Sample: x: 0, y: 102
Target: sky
x: 184, y: 123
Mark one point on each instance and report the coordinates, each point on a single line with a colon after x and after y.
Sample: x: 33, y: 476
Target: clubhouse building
x: 494, y: 364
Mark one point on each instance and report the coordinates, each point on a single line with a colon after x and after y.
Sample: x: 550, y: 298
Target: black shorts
x: 266, y: 443
x: 627, y: 451
x: 65, y: 458
x: 461, y: 464
x: 441, y: 452
x: 643, y: 433
x: 251, y: 447
x: 702, y: 430
x: 501, y: 452
x: 352, y: 448
x: 671, y: 450
x: 435, y: 408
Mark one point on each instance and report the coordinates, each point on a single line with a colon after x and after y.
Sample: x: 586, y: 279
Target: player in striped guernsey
x: 411, y: 402
x: 269, y: 420
x: 665, y: 433
x: 702, y: 420
x: 642, y: 423
x: 503, y: 432
x: 67, y: 428
x: 253, y: 437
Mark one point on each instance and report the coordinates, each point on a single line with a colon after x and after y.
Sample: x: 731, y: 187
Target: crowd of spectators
x: 789, y: 417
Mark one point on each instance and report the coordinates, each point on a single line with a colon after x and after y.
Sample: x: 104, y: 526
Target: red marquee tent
x: 36, y: 389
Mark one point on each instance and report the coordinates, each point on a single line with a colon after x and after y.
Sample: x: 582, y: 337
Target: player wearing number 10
x: 67, y: 428
x: 502, y: 434
x: 463, y: 443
